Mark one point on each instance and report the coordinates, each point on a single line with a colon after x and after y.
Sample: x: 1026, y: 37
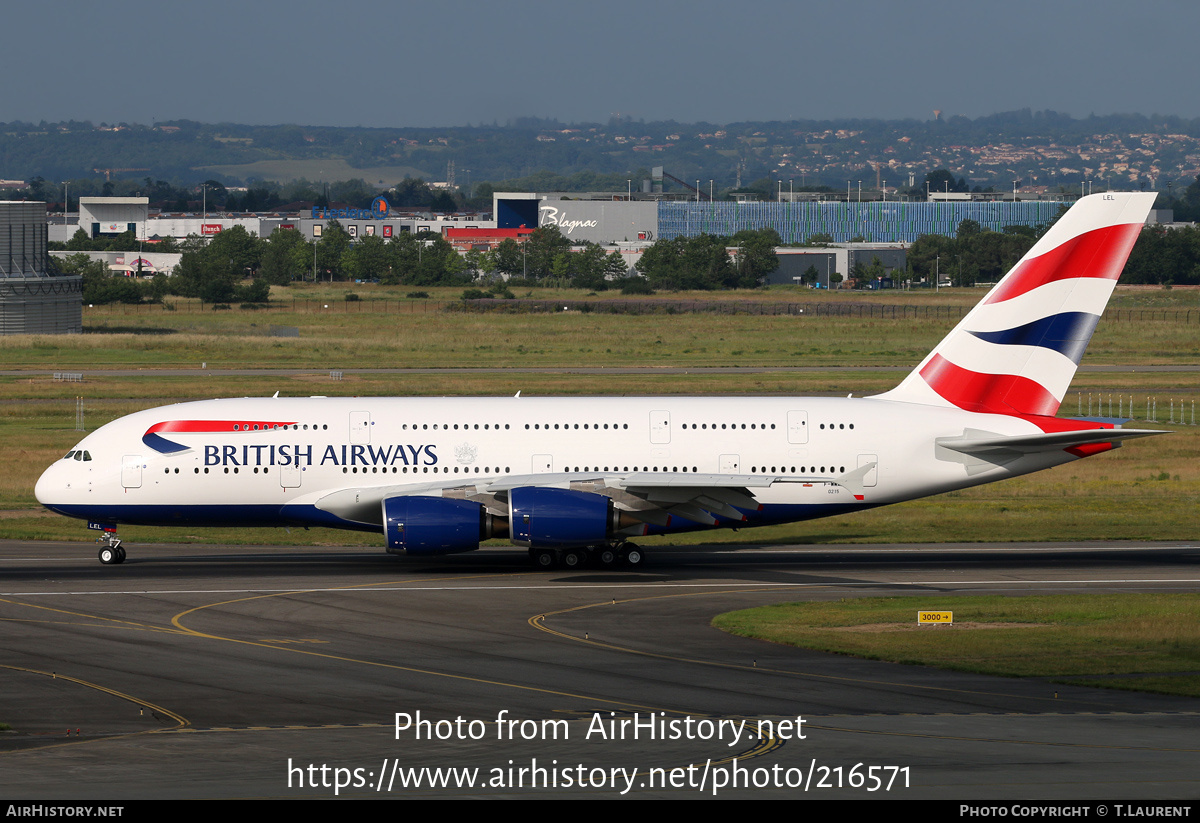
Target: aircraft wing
x: 646, y: 497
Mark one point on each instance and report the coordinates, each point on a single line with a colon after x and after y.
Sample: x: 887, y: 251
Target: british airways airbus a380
x: 571, y: 478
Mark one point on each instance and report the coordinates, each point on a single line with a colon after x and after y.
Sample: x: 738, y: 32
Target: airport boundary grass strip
x: 564, y: 339
x: 1135, y: 642
x: 603, y: 305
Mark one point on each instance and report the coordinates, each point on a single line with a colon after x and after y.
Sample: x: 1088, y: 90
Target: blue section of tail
x: 1067, y: 333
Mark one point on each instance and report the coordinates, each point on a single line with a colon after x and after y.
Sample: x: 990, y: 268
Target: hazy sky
x: 395, y: 63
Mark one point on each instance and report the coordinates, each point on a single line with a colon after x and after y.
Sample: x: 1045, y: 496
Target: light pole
x: 65, y: 201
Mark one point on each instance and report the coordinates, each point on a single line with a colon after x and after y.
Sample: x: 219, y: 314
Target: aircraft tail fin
x: 1017, y: 351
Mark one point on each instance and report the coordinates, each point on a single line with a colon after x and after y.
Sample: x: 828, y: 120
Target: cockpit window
x: 87, y: 455
x: 70, y: 454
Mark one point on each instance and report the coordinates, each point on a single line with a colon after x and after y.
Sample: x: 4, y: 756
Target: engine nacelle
x: 544, y: 518
x: 434, y: 525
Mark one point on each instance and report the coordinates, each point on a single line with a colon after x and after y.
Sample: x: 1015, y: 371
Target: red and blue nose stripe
x: 156, y: 441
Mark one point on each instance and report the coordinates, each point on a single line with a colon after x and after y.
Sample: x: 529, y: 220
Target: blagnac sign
x: 378, y: 211
x: 551, y: 216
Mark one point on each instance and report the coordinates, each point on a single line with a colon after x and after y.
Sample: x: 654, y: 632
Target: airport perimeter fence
x: 882, y: 311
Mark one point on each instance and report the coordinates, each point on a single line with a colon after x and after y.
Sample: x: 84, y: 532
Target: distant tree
x: 286, y: 256
x: 355, y: 192
x: 943, y: 181
x: 241, y: 248
x: 368, y: 258
x: 968, y: 228
x: 755, y: 256
x: 635, y: 285
x: 404, y: 255
x: 80, y: 241
x: 332, y: 246
x: 509, y: 257
x: 438, y: 264
x: 125, y: 241
x: 100, y: 285
x: 541, y: 250
x: 588, y: 268
x: 700, y: 262
x: 479, y: 262
x: 443, y: 202
x: 411, y: 193
x: 614, y: 266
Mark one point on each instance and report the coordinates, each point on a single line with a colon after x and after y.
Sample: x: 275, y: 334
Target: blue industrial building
x: 610, y: 218
x: 889, y: 221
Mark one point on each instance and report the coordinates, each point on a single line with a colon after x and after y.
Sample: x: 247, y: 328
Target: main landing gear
x: 111, y: 552
x: 608, y: 556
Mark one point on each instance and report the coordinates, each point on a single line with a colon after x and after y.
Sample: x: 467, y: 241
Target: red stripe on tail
x: 1100, y: 253
x: 988, y: 393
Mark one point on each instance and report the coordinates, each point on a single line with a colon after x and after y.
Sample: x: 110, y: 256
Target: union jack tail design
x: 1016, y: 352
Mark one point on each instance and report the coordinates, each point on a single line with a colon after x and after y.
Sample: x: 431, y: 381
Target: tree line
x: 237, y: 266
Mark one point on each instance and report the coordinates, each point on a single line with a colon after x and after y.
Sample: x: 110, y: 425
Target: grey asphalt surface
x: 225, y: 671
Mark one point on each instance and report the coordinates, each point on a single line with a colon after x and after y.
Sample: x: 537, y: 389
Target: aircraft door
x: 872, y: 476
x: 797, y: 427
x: 543, y: 463
x: 360, y: 428
x: 131, y: 471
x: 730, y: 464
x: 660, y: 427
x: 289, y: 476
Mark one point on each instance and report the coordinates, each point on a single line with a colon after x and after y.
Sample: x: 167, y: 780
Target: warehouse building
x: 614, y: 218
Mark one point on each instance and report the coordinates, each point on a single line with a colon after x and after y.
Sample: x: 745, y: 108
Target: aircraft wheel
x: 634, y: 556
x: 572, y: 559
x: 109, y: 555
x: 606, y: 556
x: 120, y: 554
x: 544, y: 559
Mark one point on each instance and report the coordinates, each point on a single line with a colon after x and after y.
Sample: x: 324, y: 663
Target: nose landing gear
x: 111, y: 552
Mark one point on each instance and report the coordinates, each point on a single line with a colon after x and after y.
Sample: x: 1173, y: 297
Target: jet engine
x: 436, y: 525
x: 547, y: 518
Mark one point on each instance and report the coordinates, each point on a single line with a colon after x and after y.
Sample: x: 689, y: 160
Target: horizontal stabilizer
x: 983, y: 443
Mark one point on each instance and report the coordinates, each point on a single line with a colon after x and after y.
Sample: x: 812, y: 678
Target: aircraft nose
x: 50, y: 486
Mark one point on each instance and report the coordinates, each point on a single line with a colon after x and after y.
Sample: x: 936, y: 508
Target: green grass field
x: 337, y: 334
x: 1138, y: 642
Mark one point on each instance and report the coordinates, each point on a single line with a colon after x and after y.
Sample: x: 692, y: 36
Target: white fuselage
x: 272, y: 461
